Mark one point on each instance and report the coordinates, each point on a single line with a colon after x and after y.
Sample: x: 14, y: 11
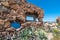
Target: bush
x: 55, y: 30
x: 32, y: 33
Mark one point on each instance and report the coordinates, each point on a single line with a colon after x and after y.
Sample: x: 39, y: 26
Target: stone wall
x: 15, y: 10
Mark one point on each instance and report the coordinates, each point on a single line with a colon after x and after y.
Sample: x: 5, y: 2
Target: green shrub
x: 32, y: 33
x: 55, y: 30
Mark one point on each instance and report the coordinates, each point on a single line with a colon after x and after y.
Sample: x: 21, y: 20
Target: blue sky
x: 51, y: 8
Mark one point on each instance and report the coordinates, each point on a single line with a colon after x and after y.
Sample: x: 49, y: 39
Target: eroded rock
x: 17, y: 10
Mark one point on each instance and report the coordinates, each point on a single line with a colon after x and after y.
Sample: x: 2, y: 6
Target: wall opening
x: 31, y: 17
x: 15, y: 24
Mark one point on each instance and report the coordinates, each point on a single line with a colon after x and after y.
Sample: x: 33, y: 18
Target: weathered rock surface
x: 17, y: 10
x: 58, y: 20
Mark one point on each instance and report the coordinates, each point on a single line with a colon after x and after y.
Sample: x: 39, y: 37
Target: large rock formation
x: 58, y: 20
x: 17, y: 10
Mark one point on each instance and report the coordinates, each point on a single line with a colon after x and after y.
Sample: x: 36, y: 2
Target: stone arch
x: 32, y: 16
